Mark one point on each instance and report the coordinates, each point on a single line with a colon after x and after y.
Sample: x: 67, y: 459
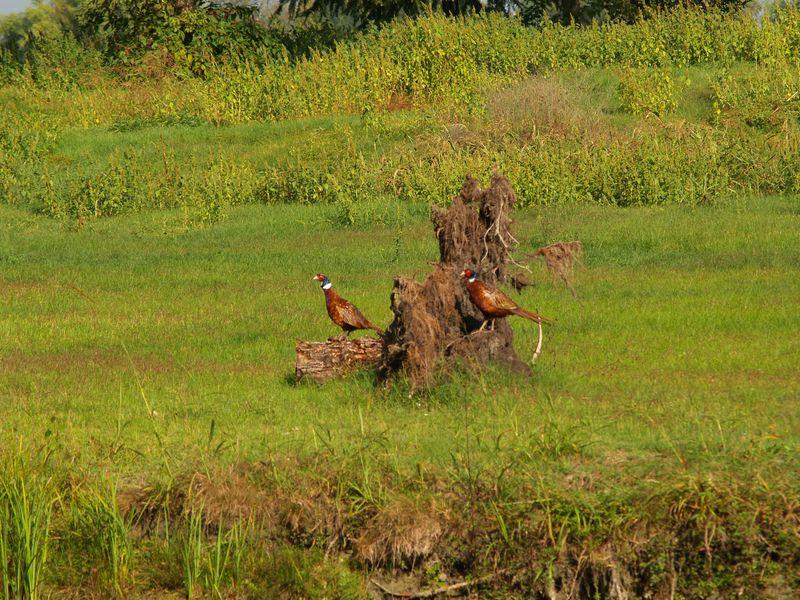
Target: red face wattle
x: 468, y: 273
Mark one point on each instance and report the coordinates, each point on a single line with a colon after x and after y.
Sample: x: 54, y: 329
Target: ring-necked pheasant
x: 342, y: 312
x: 493, y: 303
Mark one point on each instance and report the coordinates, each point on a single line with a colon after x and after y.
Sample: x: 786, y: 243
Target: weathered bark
x: 435, y: 322
x: 319, y: 361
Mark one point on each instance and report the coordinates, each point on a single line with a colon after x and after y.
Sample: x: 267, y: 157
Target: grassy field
x: 137, y: 352
x: 158, y: 237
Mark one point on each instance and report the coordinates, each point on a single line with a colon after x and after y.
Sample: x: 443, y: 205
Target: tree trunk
x: 435, y: 322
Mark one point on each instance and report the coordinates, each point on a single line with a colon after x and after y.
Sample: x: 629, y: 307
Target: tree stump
x: 435, y: 323
x: 320, y: 361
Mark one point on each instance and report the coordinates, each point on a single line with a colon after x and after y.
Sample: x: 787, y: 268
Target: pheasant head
x: 324, y: 282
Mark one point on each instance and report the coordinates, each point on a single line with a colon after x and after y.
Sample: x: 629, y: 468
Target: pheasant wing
x: 351, y: 316
x: 497, y: 299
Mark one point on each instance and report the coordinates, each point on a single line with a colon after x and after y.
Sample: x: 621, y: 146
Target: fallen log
x: 320, y: 361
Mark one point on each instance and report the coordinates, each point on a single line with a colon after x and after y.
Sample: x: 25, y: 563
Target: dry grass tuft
x: 228, y: 494
x: 540, y: 105
x: 561, y: 259
x: 403, y: 530
x: 312, y: 514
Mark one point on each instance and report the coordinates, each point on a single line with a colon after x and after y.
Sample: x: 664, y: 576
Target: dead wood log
x: 320, y: 361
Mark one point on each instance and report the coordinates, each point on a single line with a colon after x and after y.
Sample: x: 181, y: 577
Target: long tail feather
x: 521, y: 312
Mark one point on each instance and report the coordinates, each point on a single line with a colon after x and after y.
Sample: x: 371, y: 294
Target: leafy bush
x: 765, y: 98
x: 195, y: 34
x: 552, y: 150
x: 647, y: 90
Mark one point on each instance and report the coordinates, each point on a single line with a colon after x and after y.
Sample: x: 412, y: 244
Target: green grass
x: 259, y: 144
x: 147, y: 361
x: 680, y: 308
x: 680, y: 357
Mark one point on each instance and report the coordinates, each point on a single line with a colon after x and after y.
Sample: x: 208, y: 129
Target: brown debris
x: 434, y: 321
x: 226, y: 495
x: 400, y: 531
x: 561, y: 259
x: 312, y: 513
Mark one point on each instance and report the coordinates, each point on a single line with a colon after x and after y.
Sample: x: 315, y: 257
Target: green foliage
x: 224, y: 184
x: 43, y: 22
x: 211, y: 562
x: 298, y: 573
x: 194, y: 33
x: 26, y: 508
x: 647, y: 91
x: 767, y: 98
x: 350, y: 186
x: 660, y: 472
x: 111, y: 192
x: 192, y: 546
x: 674, y: 166
x: 98, y: 526
x: 449, y: 66
x: 449, y: 62
x: 364, y: 12
x: 432, y: 57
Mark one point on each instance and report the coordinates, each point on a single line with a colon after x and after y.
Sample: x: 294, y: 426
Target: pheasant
x: 342, y: 312
x: 493, y: 303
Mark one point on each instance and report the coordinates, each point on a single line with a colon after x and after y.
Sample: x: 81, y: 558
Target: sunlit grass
x: 677, y: 311
x: 136, y: 350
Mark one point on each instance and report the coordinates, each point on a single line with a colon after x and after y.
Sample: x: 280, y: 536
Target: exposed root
x: 433, y: 319
x: 538, y: 350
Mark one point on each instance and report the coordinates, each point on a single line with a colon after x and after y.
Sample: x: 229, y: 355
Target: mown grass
x: 145, y: 352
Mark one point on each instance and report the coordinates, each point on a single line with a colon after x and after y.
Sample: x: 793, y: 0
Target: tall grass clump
x: 105, y: 535
x: 766, y: 98
x: 648, y: 91
x: 670, y: 166
x: 26, y: 509
x: 192, y: 546
x: 211, y: 554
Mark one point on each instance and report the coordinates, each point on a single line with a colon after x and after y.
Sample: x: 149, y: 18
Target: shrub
x: 764, y: 98
x: 647, y: 90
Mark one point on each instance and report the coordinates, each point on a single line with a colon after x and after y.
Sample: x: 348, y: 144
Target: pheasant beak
x: 316, y: 278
